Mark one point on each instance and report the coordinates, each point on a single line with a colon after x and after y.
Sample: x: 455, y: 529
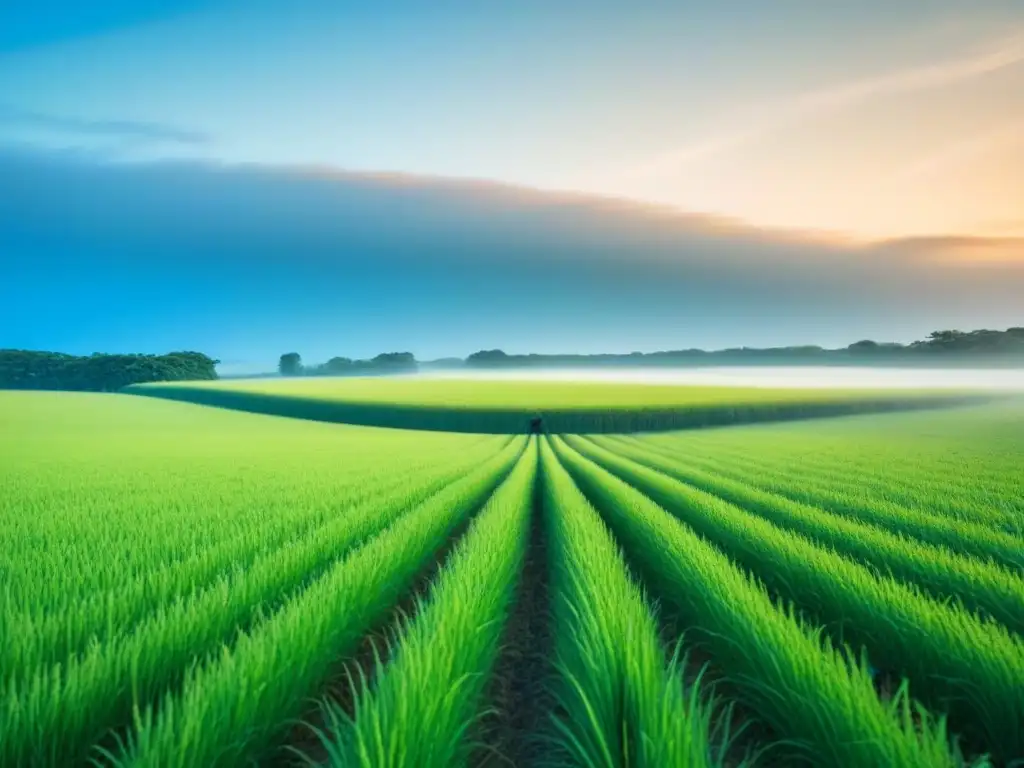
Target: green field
x: 506, y: 407
x: 192, y: 586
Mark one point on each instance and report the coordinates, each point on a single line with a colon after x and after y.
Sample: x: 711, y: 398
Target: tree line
x: 29, y: 369
x: 290, y: 364
x: 948, y: 345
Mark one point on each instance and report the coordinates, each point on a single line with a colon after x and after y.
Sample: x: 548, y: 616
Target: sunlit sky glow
x: 875, y: 118
x: 247, y: 177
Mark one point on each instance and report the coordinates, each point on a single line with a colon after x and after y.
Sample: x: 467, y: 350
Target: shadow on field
x: 578, y: 421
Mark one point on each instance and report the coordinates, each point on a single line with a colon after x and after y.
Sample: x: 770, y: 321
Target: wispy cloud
x: 963, y: 150
x: 768, y: 118
x: 964, y: 250
x: 1004, y: 227
x: 105, y: 129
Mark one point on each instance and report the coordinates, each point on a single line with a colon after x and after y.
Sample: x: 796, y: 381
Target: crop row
x: 980, y: 585
x: 63, y: 711
x: 697, y: 619
x: 74, y: 675
x: 424, y: 703
x: 925, y: 496
x: 249, y: 572
x: 960, y: 463
x: 620, y: 703
x: 814, y: 697
x: 971, y: 535
x: 957, y: 662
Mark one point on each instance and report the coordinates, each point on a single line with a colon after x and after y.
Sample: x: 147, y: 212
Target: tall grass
x: 148, y: 483
x: 959, y: 464
x: 817, y: 699
x: 971, y: 668
x: 979, y: 585
x: 233, y: 582
x: 97, y: 486
x: 423, y: 707
x: 180, y: 584
x: 621, y: 704
x: 233, y: 711
x: 981, y: 533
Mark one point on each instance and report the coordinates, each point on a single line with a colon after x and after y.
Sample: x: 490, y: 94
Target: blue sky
x: 852, y: 124
x: 792, y: 113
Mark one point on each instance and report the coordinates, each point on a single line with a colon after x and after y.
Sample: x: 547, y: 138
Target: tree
x: 866, y: 345
x: 290, y: 364
x: 488, y: 357
x: 27, y: 369
x: 395, y: 361
x: 337, y: 366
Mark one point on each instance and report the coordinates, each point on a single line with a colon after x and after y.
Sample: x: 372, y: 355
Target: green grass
x: 960, y: 466
x: 821, y: 703
x: 621, y: 703
x: 495, y: 406
x: 986, y: 587
x: 451, y: 647
x: 180, y: 585
x: 230, y: 712
x: 956, y: 661
x: 510, y: 395
x: 140, y: 536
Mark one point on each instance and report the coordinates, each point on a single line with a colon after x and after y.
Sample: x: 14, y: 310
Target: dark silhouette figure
x: 536, y: 425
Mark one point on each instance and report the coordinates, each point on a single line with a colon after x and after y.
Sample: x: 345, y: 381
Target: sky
x: 877, y: 136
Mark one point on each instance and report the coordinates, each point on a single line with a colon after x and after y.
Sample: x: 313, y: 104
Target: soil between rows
x: 380, y: 643
x: 513, y: 732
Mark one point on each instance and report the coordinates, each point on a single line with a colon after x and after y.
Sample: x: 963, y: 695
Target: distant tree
x: 950, y: 342
x: 28, y: 369
x: 946, y: 341
x: 488, y: 357
x: 290, y: 364
x: 865, y: 347
x: 388, y: 362
x: 982, y: 341
x: 192, y: 365
x: 806, y: 349
x: 338, y: 366
x: 395, y: 361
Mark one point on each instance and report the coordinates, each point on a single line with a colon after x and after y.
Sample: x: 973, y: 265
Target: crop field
x: 190, y: 586
x: 504, y: 407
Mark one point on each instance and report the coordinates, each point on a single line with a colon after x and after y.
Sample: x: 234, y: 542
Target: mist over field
x: 787, y: 377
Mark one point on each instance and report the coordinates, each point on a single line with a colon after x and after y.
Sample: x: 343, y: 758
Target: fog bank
x: 810, y: 377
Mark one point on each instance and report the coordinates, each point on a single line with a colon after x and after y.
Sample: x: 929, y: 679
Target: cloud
x: 1000, y: 55
x: 478, y: 221
x: 235, y: 258
x: 963, y: 150
x: 1002, y: 226
x: 956, y: 250
x: 114, y: 129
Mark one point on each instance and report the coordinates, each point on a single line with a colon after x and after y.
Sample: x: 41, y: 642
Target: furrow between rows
x: 981, y: 541
x: 236, y: 709
x: 418, y: 710
x: 980, y: 586
x: 971, y: 669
